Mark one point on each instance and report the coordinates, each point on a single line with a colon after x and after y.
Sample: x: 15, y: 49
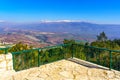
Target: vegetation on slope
x: 35, y: 57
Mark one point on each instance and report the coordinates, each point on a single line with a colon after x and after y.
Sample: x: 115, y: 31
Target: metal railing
x: 4, y: 50
x: 35, y: 57
x: 101, y: 56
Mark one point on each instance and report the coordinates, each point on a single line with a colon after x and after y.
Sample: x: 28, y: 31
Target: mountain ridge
x: 65, y: 27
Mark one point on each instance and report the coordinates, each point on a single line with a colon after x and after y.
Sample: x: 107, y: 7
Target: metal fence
x: 101, y: 56
x: 4, y: 50
x: 35, y: 57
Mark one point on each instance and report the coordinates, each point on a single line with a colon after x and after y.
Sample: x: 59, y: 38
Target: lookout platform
x: 71, y: 69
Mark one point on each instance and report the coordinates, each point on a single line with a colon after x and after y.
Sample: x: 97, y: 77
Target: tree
x: 102, y: 37
x: 117, y: 41
x: 19, y: 47
x: 69, y: 41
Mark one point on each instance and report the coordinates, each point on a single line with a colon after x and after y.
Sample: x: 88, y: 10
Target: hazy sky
x: 98, y: 11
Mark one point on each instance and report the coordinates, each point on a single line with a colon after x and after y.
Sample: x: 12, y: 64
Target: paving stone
x: 61, y: 70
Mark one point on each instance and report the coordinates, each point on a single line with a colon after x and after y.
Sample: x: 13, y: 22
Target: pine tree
x: 102, y: 37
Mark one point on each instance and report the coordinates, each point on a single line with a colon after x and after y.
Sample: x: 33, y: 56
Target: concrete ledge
x: 86, y: 63
x: 89, y: 64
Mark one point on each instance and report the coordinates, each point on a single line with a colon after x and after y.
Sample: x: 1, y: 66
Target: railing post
x: 64, y: 51
x: 6, y: 50
x: 99, y: 55
x: 38, y: 57
x: 110, y: 54
x: 72, y: 51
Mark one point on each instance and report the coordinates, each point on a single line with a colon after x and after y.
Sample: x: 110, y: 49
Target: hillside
x: 65, y: 27
x: 52, y: 33
x: 16, y: 38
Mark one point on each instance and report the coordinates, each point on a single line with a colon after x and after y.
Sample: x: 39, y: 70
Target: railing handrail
x: 99, y: 48
x: 3, y: 48
x: 60, y: 45
x: 47, y: 47
x: 18, y: 52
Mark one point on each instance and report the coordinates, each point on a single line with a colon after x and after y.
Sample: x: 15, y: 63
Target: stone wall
x: 6, y: 62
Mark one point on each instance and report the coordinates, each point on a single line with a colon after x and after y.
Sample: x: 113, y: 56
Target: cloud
x: 45, y: 21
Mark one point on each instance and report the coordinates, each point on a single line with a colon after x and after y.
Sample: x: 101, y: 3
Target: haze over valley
x: 51, y: 33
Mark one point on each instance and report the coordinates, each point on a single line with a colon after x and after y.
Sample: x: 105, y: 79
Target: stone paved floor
x: 62, y: 70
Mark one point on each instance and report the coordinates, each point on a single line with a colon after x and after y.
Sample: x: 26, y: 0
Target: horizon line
x: 50, y: 21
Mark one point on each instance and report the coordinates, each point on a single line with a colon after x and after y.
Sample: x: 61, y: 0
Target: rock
x: 97, y: 78
x: 9, y: 56
x: 2, y: 57
x: 110, y: 74
x: 33, y: 78
x: 114, y: 79
x: 81, y: 70
x: 42, y: 75
x: 57, y: 77
x: 81, y: 77
x: 66, y: 74
x: 3, y: 64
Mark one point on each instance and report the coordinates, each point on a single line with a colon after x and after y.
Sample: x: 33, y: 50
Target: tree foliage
x: 85, y: 52
x: 66, y: 41
x: 19, y: 47
x: 102, y: 37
